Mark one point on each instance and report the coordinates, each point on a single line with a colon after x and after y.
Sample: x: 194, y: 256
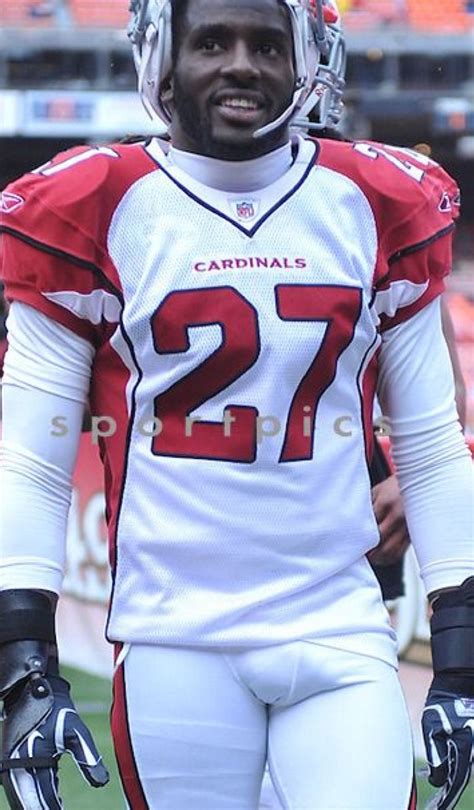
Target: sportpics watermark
x: 103, y: 426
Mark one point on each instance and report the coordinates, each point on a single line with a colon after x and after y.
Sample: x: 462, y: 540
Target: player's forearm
x: 33, y: 520
x: 441, y: 536
x: 459, y: 384
x: 432, y: 460
x: 36, y: 486
x: 36, y: 461
x: 435, y: 473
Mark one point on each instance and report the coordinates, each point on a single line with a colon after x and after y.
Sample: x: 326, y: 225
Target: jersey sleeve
x: 432, y: 460
x: 414, y: 203
x: 54, y: 224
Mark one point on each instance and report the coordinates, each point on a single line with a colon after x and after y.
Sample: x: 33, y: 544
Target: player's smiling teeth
x: 243, y: 103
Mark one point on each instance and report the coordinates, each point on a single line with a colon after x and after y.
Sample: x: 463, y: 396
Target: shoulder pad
x: 67, y: 203
x: 413, y: 199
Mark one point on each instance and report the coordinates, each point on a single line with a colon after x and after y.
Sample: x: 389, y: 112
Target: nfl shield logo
x: 245, y: 209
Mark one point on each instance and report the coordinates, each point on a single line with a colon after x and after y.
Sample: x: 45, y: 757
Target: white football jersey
x: 237, y: 341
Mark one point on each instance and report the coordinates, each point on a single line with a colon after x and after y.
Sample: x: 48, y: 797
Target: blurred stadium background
x: 67, y: 77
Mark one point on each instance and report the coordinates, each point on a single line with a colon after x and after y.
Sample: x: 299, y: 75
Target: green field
x: 92, y: 697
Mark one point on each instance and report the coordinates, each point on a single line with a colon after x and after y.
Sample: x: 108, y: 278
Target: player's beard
x: 196, y: 123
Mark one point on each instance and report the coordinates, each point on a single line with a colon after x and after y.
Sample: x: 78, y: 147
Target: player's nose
x: 241, y: 62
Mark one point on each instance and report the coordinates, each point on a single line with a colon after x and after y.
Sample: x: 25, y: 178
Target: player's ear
x: 166, y: 91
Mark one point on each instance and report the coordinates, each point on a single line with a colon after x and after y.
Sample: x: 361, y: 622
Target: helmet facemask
x: 323, y: 105
x: 319, y: 53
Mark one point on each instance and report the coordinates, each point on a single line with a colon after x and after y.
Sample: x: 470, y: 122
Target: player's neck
x: 234, y: 176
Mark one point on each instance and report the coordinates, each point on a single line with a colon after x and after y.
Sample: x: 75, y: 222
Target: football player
x: 229, y: 303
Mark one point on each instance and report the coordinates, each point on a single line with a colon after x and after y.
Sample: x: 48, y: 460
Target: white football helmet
x: 319, y: 49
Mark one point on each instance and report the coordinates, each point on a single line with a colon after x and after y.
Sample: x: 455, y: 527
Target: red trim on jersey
x: 110, y: 377
x: 123, y: 743
x: 404, y: 313
x: 428, y: 265
x: 428, y: 262
x: 62, y: 316
x: 413, y: 796
x: 30, y: 273
x: 70, y: 267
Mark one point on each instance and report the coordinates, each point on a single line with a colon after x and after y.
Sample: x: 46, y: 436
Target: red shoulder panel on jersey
x: 414, y: 203
x: 412, y: 198
x: 30, y: 274
x: 55, y: 222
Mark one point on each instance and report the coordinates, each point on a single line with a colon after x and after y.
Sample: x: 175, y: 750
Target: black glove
x: 448, y: 717
x: 448, y: 725
x: 31, y: 750
x: 40, y: 720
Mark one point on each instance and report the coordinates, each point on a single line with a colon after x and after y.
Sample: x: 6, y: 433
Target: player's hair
x: 330, y: 134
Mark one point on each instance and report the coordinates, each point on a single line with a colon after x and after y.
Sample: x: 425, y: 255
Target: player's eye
x: 209, y: 45
x: 267, y: 48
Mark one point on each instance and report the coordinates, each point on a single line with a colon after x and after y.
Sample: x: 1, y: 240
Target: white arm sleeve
x: 416, y: 391
x: 46, y: 376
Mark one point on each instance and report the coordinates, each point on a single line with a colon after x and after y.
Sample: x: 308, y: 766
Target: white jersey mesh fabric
x: 245, y: 553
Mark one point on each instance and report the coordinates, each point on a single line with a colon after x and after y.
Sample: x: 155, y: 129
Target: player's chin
x: 236, y: 139
x: 235, y: 126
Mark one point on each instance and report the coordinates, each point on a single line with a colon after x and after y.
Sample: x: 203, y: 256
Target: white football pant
x: 194, y: 728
